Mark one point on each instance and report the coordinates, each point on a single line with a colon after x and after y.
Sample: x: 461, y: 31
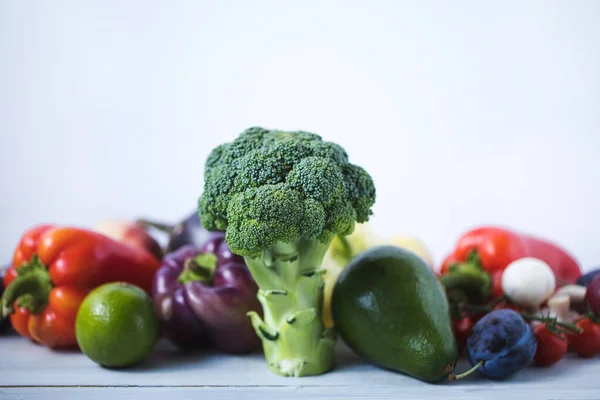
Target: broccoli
x: 281, y: 197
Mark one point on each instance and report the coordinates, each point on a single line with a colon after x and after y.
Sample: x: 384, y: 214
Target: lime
x: 116, y: 325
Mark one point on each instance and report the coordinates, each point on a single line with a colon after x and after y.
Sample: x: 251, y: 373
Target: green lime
x: 116, y: 325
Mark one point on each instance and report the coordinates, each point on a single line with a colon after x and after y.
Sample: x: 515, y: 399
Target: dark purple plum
x: 503, y: 342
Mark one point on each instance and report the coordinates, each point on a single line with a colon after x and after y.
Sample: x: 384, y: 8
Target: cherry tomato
x: 551, y: 347
x: 462, y: 330
x: 587, y: 343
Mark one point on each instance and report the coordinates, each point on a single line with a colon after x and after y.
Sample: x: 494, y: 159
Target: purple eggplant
x: 202, y: 295
x: 187, y: 231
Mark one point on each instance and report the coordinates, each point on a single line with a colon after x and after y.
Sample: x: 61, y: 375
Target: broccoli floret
x: 281, y: 197
x: 266, y: 185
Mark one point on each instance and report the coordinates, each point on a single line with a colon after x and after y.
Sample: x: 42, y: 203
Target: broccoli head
x: 281, y: 197
x: 271, y: 186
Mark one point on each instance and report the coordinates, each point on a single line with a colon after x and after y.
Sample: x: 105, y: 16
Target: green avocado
x: 389, y: 307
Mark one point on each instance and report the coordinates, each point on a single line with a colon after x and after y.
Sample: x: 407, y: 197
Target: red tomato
x: 462, y: 330
x: 587, y: 343
x: 551, y: 347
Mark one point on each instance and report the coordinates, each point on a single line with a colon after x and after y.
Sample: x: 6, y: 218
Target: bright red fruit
x: 551, y: 347
x: 587, y: 343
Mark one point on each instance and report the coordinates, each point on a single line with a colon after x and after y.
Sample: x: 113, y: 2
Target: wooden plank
x: 293, y: 393
x: 31, y: 371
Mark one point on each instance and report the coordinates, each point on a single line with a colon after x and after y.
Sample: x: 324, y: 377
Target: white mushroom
x: 528, y: 282
x: 576, y: 293
x: 559, y: 306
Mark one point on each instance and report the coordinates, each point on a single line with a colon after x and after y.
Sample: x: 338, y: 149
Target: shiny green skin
x: 390, y: 309
x: 116, y: 325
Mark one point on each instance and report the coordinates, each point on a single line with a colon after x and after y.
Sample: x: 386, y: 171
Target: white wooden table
x: 29, y: 371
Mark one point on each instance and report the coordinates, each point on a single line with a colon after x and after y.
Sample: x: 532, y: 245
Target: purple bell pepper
x: 202, y: 295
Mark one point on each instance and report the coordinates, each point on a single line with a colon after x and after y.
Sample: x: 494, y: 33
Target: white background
x: 463, y: 112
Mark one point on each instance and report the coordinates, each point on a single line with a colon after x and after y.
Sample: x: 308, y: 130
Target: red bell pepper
x: 54, y: 268
x: 474, y: 269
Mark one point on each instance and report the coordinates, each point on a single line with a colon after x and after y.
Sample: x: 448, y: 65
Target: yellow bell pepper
x: 412, y: 244
x: 344, y: 249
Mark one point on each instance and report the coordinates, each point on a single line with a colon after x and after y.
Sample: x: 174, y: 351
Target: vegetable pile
x: 498, y: 275
x: 279, y: 258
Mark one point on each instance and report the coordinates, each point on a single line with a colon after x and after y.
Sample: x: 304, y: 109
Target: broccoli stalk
x: 294, y: 340
x: 281, y: 197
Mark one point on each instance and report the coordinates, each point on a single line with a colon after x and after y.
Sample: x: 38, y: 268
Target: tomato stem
x: 553, y: 321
